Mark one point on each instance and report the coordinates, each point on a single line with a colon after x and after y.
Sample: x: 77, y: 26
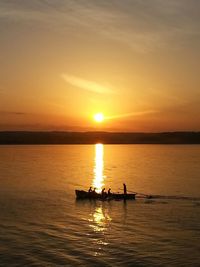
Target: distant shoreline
x: 42, y: 138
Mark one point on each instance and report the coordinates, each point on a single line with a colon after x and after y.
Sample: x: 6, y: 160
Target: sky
x: 135, y: 61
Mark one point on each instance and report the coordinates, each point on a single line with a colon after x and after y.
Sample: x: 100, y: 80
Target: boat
x: 81, y: 194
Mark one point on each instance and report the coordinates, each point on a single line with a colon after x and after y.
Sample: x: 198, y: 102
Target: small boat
x: 81, y: 194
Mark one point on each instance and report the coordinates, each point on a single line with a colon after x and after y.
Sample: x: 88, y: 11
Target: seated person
x: 90, y: 190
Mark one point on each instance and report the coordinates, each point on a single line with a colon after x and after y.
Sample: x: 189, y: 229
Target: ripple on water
x: 41, y: 224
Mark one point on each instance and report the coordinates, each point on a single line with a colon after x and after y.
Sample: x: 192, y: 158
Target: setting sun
x: 99, y: 117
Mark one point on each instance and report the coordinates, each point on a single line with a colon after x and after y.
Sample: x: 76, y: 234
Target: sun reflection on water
x: 100, y: 220
x: 98, y: 181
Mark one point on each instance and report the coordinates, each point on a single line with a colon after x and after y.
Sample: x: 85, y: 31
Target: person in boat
x: 125, y: 189
x: 90, y: 190
x: 103, y: 193
x: 94, y: 190
x: 109, y: 193
x: 93, y: 193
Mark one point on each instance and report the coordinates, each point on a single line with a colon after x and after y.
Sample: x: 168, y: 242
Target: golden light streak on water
x: 100, y: 220
x: 98, y: 181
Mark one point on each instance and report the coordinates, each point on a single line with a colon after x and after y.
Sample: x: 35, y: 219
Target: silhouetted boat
x: 81, y: 194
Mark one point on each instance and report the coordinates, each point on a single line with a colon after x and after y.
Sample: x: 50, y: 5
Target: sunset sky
x: 135, y: 61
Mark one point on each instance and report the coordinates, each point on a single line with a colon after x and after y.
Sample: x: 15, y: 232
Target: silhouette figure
x: 125, y: 189
x: 94, y: 190
x: 90, y: 189
x: 103, y: 191
x: 109, y: 193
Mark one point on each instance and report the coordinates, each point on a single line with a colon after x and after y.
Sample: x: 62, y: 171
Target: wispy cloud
x: 142, y: 25
x: 87, y: 85
x: 14, y: 113
x: 132, y: 114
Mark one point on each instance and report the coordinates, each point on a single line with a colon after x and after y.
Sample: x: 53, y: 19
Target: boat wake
x: 176, y: 197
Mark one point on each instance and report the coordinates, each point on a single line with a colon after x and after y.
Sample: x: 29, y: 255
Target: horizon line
x: 65, y: 131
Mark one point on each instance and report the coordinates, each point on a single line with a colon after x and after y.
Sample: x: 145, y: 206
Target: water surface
x: 41, y: 223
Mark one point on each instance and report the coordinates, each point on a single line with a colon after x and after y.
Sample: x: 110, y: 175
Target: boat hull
x: 81, y: 194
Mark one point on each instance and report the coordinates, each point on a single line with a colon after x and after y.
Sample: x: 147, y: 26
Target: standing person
x: 125, y: 189
x: 109, y: 193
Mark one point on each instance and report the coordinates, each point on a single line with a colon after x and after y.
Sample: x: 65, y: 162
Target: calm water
x: 41, y: 223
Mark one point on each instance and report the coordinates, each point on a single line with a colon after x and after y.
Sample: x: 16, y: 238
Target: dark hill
x: 99, y: 137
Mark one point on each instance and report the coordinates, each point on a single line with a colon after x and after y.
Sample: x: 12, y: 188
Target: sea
x: 42, y: 223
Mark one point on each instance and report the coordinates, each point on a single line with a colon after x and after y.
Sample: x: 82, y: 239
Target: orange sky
x: 135, y: 61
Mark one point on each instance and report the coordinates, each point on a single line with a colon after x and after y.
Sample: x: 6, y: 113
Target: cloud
x: 87, y: 85
x: 141, y: 25
x: 2, y: 112
x: 132, y: 114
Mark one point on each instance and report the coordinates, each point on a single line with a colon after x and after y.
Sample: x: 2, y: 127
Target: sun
x: 99, y: 117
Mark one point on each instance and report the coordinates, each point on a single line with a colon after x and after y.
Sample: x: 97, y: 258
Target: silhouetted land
x: 99, y: 137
